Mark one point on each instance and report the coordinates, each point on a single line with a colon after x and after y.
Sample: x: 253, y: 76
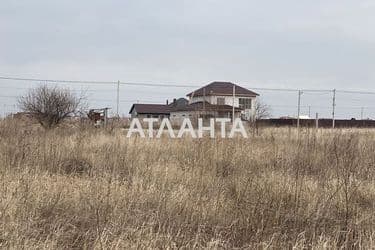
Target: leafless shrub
x: 262, y: 110
x: 50, y: 105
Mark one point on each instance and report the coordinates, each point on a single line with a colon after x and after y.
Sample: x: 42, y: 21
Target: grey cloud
x: 309, y: 44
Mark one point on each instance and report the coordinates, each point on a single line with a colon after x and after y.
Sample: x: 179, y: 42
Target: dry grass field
x: 94, y: 188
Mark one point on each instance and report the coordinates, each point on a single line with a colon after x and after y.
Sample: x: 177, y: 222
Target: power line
x: 56, y: 81
x: 356, y: 92
x: 96, y: 82
x: 132, y: 83
x: 94, y: 99
x: 74, y: 90
x: 177, y: 85
x: 157, y: 85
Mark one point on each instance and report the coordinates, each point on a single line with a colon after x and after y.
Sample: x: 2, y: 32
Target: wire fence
x: 120, y: 95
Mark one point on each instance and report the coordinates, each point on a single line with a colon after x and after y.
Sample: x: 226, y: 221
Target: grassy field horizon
x: 94, y: 188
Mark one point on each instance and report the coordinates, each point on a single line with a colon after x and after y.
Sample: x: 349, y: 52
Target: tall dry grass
x: 92, y: 188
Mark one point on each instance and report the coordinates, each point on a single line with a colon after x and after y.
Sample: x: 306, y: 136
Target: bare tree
x: 262, y: 110
x: 50, y: 105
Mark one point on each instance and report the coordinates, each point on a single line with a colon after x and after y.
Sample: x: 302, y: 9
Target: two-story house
x: 217, y: 99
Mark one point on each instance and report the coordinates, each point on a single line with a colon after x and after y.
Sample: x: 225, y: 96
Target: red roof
x: 222, y: 88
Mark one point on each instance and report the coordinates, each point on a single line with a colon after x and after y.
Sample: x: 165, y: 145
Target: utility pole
x: 316, y: 121
x: 299, y: 109
x: 362, y: 111
x: 309, y: 112
x: 333, y: 107
x: 234, y: 95
x: 118, y: 99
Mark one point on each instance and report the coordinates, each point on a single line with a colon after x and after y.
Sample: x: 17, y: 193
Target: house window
x: 245, y: 103
x: 220, y: 101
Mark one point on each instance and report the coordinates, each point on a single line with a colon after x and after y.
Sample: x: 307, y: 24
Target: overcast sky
x: 296, y: 44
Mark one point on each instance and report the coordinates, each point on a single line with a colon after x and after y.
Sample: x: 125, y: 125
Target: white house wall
x: 248, y: 113
x: 228, y: 100
x: 177, y: 117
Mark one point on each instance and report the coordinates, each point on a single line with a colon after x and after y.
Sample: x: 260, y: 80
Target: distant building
x: 149, y: 111
x: 160, y: 111
x: 302, y: 117
x: 98, y: 116
x: 216, y: 100
x: 22, y: 116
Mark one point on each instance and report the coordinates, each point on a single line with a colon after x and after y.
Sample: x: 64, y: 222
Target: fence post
x: 299, y: 109
x: 333, y: 107
x: 118, y: 99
